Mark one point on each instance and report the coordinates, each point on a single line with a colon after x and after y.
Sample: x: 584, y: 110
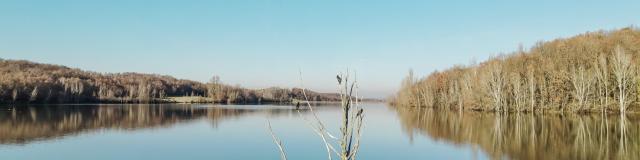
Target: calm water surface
x: 194, y: 131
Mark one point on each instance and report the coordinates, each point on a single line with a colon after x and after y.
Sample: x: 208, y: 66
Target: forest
x: 29, y: 82
x: 590, y: 72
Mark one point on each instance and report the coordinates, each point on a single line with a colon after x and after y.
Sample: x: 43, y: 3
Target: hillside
x: 29, y: 82
x: 591, y: 72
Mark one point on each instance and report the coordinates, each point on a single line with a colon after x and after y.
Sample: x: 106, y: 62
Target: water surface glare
x: 200, y: 131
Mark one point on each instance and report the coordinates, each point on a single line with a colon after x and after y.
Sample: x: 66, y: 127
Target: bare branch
x: 283, y: 155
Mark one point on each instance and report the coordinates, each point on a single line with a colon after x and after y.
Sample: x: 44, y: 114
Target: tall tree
x: 581, y: 81
x: 496, y: 86
x: 624, y: 71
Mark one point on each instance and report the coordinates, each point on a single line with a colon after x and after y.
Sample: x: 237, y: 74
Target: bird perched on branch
x: 339, y: 79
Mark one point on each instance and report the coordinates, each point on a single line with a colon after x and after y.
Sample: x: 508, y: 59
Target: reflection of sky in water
x: 242, y: 136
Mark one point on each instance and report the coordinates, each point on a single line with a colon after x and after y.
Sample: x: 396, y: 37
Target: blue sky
x: 263, y: 43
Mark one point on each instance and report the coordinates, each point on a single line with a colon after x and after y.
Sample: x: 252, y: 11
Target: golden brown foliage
x: 578, y: 74
x: 24, y: 81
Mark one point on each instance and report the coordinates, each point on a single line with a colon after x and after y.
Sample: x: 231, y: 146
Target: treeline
x: 29, y: 82
x: 591, y: 72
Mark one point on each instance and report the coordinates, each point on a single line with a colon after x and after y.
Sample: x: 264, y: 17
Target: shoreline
x: 293, y: 102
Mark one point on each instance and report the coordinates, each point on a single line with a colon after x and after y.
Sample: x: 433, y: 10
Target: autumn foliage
x: 591, y: 72
x: 29, y: 82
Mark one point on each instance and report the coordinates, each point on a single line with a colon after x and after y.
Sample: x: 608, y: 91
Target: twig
x: 283, y: 155
x: 351, y: 129
x: 320, y: 124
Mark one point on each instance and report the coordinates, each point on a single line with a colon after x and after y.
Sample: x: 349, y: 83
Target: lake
x: 203, y: 131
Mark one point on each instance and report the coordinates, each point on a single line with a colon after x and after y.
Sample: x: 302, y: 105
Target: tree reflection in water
x: 530, y: 136
x: 25, y: 124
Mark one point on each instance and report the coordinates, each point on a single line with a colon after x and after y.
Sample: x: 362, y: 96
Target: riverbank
x: 590, y: 72
x: 197, y: 100
x: 31, y: 82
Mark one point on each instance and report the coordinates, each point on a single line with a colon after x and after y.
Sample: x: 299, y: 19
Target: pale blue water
x: 178, y: 131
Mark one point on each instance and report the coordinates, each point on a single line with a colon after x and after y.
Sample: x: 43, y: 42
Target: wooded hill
x: 29, y: 82
x: 591, y: 72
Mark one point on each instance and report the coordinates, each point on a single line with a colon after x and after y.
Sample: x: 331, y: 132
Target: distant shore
x: 38, y: 83
x: 196, y: 100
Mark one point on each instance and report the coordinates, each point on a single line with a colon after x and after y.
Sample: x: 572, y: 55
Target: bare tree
x: 517, y: 92
x: 496, y: 86
x: 406, y: 91
x: 455, y: 95
x: 465, y: 89
x: 602, y: 77
x: 531, y: 86
x: 14, y: 95
x: 416, y: 94
x: 143, y: 92
x: 427, y: 96
x: 624, y: 74
x: 581, y: 81
x: 34, y: 94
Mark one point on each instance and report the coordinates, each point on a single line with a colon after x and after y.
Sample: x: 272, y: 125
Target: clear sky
x: 261, y: 43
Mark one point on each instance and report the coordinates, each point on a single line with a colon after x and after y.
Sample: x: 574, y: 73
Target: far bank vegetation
x: 29, y: 82
x: 591, y: 72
